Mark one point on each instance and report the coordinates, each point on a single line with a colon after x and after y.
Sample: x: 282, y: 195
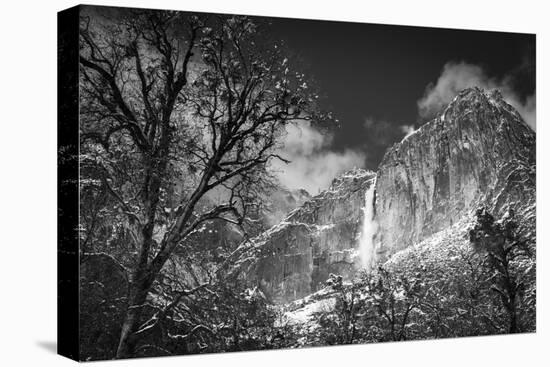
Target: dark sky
x: 379, y: 71
x: 372, y: 76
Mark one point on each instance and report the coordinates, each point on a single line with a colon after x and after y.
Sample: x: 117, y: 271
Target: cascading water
x: 370, y: 227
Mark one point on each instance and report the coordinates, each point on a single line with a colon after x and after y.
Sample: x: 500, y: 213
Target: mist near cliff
x: 313, y: 163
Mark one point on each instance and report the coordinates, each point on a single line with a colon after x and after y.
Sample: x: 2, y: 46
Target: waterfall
x: 370, y: 227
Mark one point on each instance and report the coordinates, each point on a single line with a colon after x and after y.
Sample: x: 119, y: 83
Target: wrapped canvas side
x: 67, y: 174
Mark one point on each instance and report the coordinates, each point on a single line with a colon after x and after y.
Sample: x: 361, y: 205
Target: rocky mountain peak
x: 475, y: 98
x: 449, y: 165
x: 477, y: 151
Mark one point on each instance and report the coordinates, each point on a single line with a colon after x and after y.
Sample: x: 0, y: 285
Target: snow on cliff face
x: 478, y: 151
x: 450, y: 166
x: 295, y: 257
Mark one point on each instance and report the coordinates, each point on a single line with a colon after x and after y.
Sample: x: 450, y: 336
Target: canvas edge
x: 68, y: 313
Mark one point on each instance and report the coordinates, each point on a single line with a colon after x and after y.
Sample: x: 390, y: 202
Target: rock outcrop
x: 295, y: 257
x: 279, y: 202
x: 214, y: 241
x: 479, y: 151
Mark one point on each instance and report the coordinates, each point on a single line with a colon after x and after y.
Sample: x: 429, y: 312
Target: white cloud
x: 303, y: 139
x: 312, y: 165
x: 458, y: 76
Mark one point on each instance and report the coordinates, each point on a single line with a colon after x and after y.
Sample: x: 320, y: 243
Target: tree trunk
x: 137, y: 296
x: 513, y: 316
x: 513, y: 324
x: 510, y: 303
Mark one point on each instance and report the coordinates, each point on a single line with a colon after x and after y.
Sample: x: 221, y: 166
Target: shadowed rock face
x: 449, y: 166
x: 295, y: 257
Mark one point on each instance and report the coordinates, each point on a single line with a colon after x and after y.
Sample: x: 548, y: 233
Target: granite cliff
x: 295, y: 257
x: 477, y: 152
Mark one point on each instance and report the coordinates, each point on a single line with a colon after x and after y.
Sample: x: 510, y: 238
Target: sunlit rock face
x: 208, y: 247
x: 279, y: 202
x: 472, y: 154
x: 477, y: 152
x: 295, y: 257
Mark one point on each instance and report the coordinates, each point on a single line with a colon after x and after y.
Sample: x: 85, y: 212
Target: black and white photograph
x: 246, y: 183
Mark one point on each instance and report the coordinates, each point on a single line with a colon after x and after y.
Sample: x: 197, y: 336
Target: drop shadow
x: 50, y: 346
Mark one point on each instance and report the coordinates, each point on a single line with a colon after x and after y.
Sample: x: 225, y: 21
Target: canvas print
x: 237, y: 183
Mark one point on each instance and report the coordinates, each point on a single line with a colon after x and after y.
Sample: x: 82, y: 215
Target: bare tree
x: 173, y: 108
x: 500, y: 242
x: 394, y: 297
x: 341, y: 326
